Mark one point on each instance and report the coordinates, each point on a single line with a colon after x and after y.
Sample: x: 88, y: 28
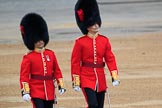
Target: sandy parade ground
x: 139, y: 59
x: 135, y: 29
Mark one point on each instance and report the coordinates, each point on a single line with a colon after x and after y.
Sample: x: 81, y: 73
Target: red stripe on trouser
x: 84, y: 93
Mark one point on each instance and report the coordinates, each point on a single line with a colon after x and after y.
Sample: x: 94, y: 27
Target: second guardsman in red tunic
x: 90, y: 54
x: 39, y: 67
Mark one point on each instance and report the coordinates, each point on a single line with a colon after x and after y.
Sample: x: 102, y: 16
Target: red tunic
x: 90, y: 50
x: 42, y: 64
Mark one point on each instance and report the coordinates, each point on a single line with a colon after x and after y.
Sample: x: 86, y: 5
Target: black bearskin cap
x: 87, y: 14
x: 33, y: 28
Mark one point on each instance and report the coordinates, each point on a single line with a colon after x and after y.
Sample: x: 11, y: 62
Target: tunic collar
x: 39, y: 50
x: 93, y: 36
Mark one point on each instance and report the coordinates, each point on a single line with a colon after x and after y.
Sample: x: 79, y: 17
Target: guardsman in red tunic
x: 39, y: 67
x: 90, y: 54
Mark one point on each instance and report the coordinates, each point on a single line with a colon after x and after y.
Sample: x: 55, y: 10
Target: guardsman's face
x: 39, y: 44
x: 94, y: 28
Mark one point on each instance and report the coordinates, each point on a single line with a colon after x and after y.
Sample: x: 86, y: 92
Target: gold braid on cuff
x: 60, y: 83
x: 114, y: 75
x: 25, y: 89
x: 76, y: 81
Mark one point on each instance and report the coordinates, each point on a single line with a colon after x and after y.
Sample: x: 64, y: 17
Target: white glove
x: 62, y: 91
x: 77, y: 88
x: 26, y: 97
x: 115, y: 82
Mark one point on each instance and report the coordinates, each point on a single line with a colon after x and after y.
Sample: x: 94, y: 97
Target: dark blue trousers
x: 94, y: 99
x: 39, y: 103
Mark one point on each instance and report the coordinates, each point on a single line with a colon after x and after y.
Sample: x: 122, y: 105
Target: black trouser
x: 39, y: 103
x: 94, y: 99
